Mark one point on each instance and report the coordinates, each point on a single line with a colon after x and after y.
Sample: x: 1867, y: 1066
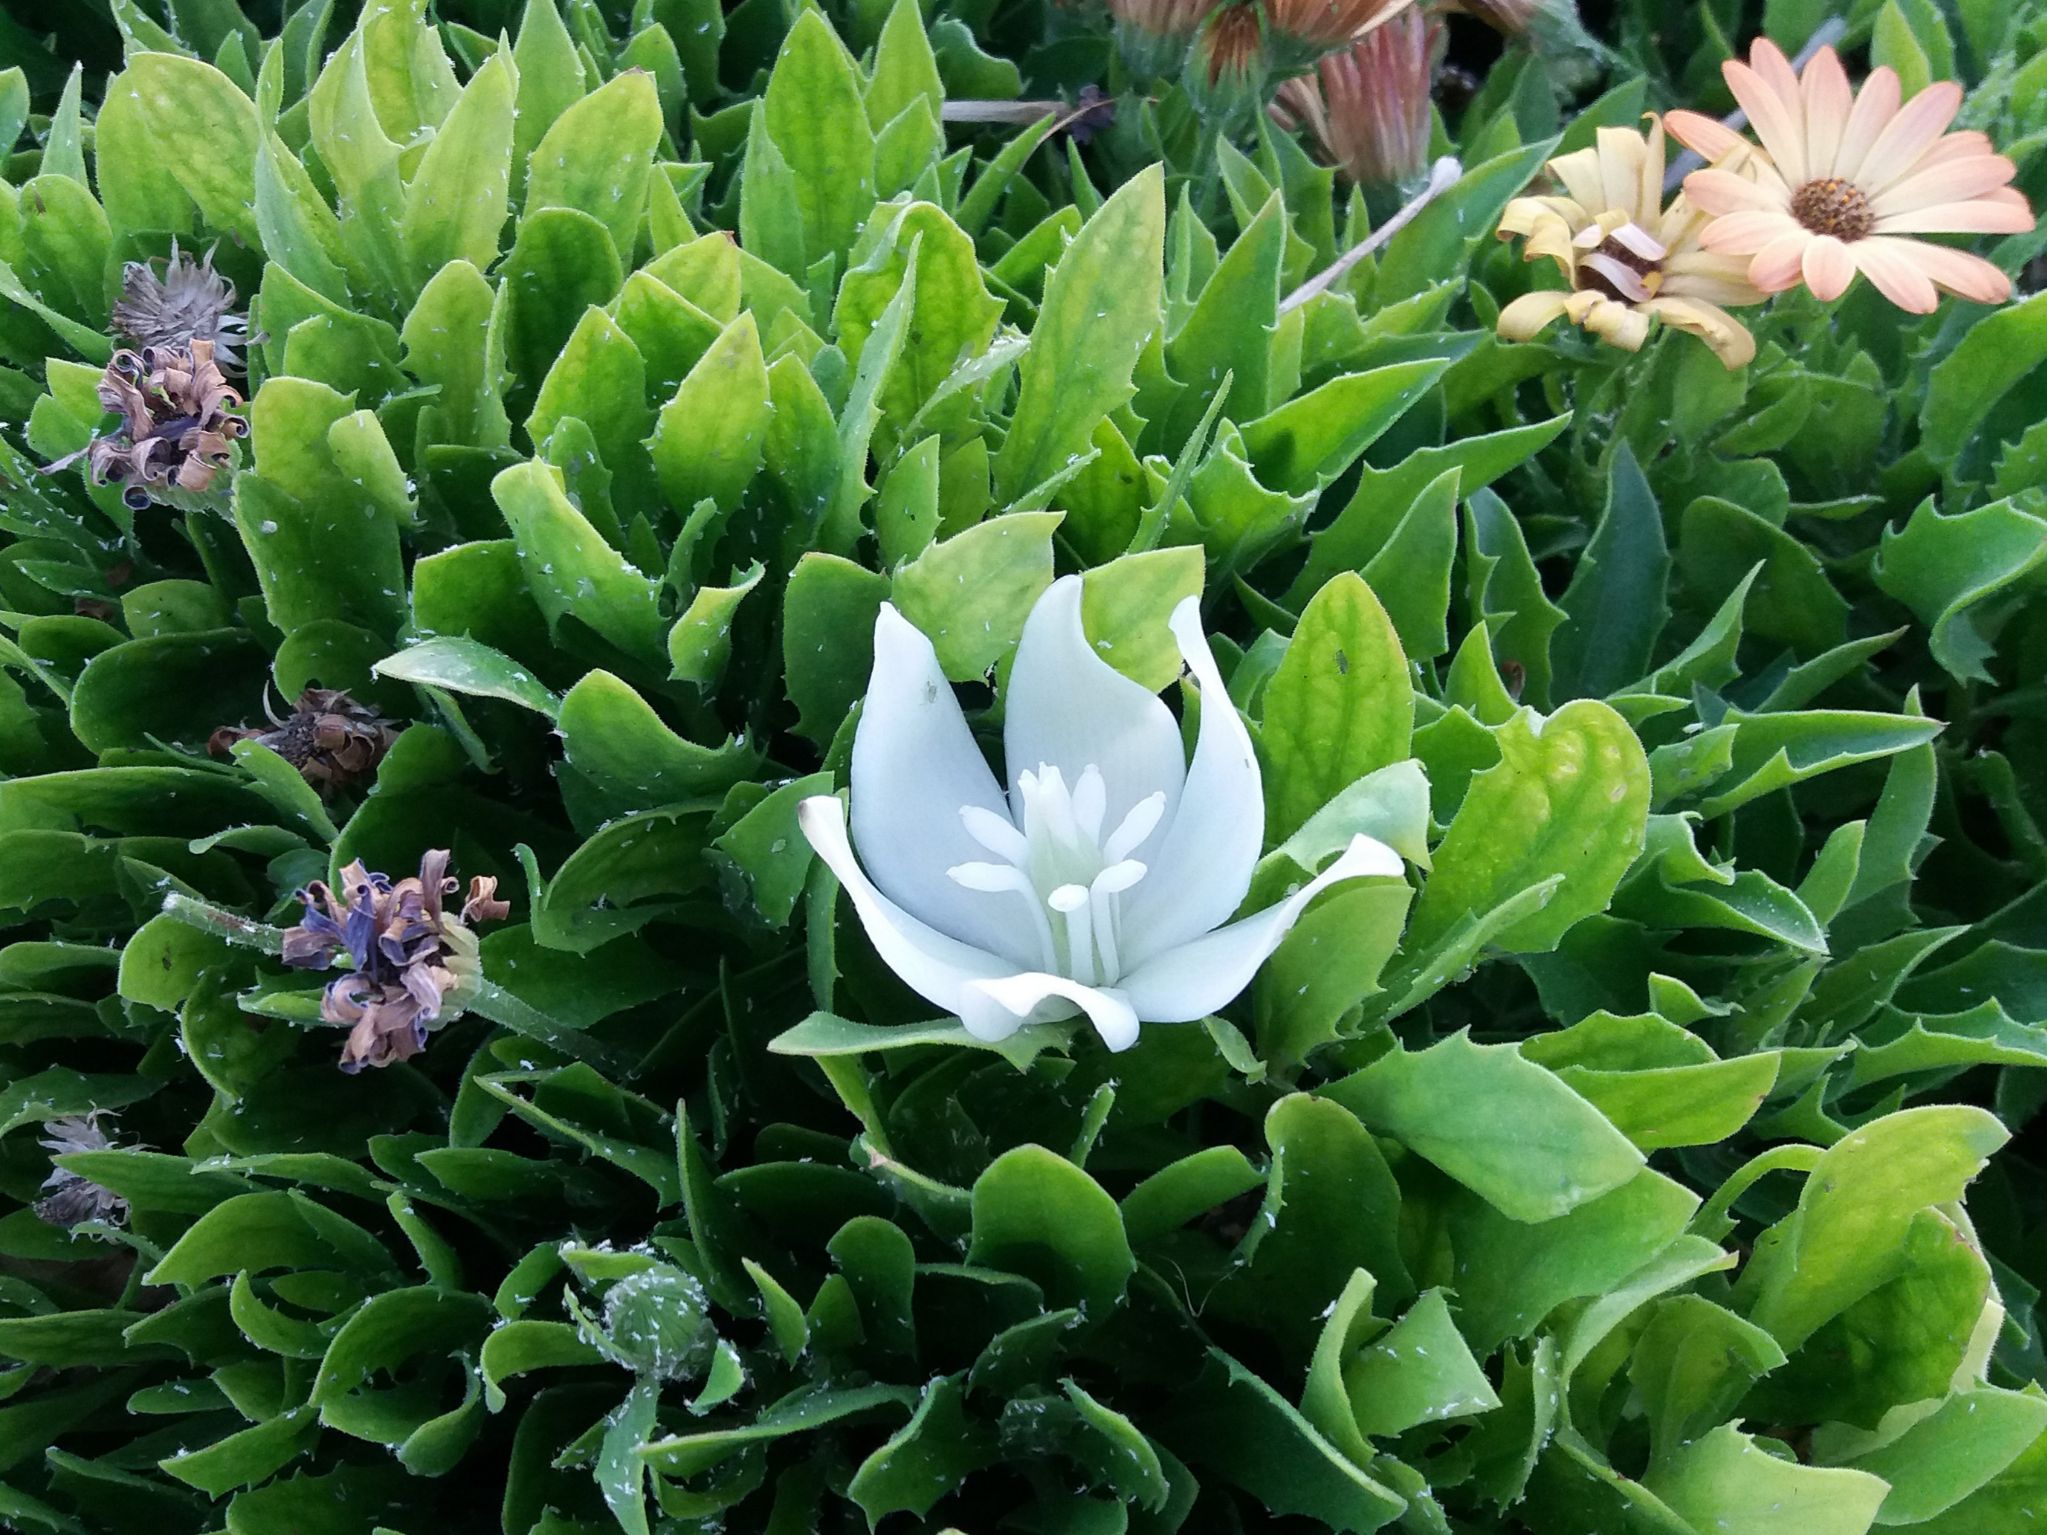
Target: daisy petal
x: 1986, y: 215
x: 1959, y: 272
x: 1703, y: 135
x: 935, y: 966
x: 1875, y: 105
x: 1828, y: 100
x: 1957, y: 181
x: 1827, y: 267
x: 1530, y: 314
x: 1194, y: 980
x: 1745, y: 232
x: 1727, y: 336
x: 916, y: 764
x: 1718, y: 191
x: 1777, y: 265
x: 1066, y: 707
x: 1918, y: 123
x: 996, y: 1009
x: 1778, y: 119
x: 1889, y: 264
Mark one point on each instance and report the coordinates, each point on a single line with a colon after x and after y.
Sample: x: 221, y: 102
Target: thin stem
x: 233, y: 926
x: 488, y: 1000
x: 1442, y: 176
x: 1829, y: 32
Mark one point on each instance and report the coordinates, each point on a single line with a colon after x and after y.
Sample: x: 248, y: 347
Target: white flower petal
x: 938, y: 968
x: 1201, y: 863
x: 1066, y: 707
x: 1195, y: 979
x: 915, y: 765
x: 996, y: 1009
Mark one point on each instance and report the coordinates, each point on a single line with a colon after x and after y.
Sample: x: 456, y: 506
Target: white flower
x: 1100, y: 882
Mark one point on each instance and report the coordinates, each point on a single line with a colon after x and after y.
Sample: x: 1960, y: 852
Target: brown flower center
x: 1596, y: 275
x: 1834, y: 207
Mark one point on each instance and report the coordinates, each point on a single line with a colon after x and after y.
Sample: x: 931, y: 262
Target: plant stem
x: 1442, y: 176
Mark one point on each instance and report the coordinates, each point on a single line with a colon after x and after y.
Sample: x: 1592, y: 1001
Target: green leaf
x: 1495, y: 1121
x: 1844, y: 1238
x: 1569, y: 797
x: 701, y: 642
x: 828, y: 615
x: 1419, y: 1371
x: 177, y: 102
x: 600, y: 379
x: 1101, y: 305
x: 971, y: 593
x: 1036, y: 1214
x: 1954, y: 572
x: 708, y: 440
x: 813, y: 111
x: 1306, y: 443
x: 456, y: 203
x: 1953, y: 1450
x: 598, y: 156
x: 926, y: 1458
x: 611, y: 734
x: 1727, y: 1482
x: 1615, y: 603
x: 1339, y: 707
x: 319, y: 512
x: 1232, y: 1420
x: 824, y: 1035
x: 570, y: 569
x: 451, y: 344
x: 461, y: 665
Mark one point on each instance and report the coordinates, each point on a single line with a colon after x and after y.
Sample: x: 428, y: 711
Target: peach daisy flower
x: 1629, y: 259
x: 1848, y: 178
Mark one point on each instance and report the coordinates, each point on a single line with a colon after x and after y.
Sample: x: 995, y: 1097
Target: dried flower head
x: 176, y: 424
x: 1324, y: 24
x: 189, y: 302
x: 1629, y: 259
x: 331, y: 739
x: 413, y: 959
x: 70, y: 1199
x: 1368, y: 105
x: 1846, y: 180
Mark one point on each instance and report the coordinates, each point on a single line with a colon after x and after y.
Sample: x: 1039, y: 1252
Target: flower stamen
x: 1832, y: 206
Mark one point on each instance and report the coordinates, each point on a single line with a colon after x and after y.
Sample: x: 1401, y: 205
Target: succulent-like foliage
x: 1645, y: 1148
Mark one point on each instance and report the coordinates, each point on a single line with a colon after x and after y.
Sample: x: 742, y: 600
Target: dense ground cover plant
x: 577, y: 446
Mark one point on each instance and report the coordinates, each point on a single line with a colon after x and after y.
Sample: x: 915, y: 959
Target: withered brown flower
x: 189, y: 302
x: 1330, y: 23
x: 1368, y: 105
x: 331, y: 739
x: 70, y: 1199
x: 413, y: 959
x: 176, y: 423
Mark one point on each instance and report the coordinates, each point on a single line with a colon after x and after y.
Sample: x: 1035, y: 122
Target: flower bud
x: 1368, y: 107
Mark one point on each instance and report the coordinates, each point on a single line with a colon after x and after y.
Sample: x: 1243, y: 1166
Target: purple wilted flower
x: 413, y: 958
x: 72, y: 1198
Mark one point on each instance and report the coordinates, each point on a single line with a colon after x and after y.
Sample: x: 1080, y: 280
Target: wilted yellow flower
x: 1628, y: 258
x: 1321, y: 24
